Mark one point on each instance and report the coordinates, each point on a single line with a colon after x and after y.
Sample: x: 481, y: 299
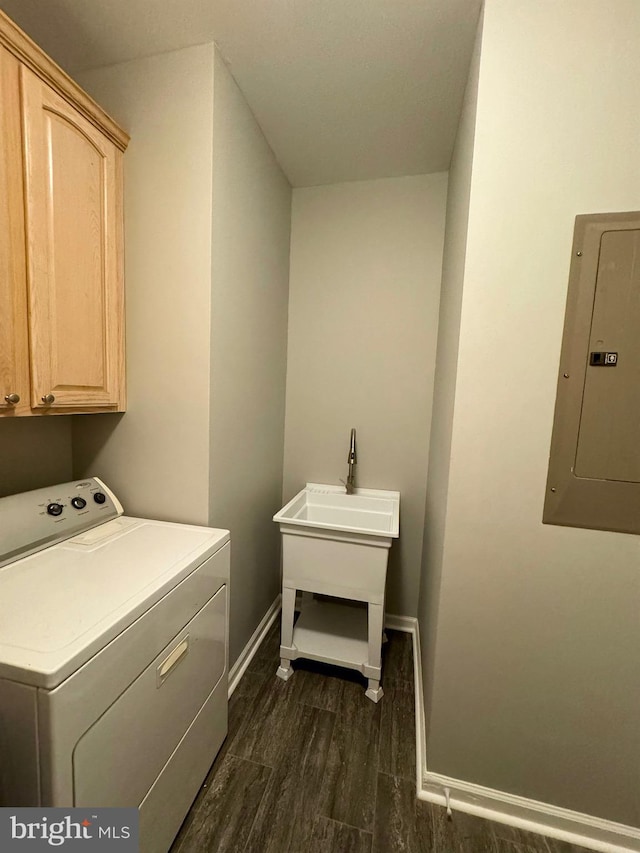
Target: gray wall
x: 250, y: 283
x: 536, y: 683
x: 207, y: 213
x: 156, y: 456
x: 34, y: 452
x: 366, y: 261
x: 458, y: 198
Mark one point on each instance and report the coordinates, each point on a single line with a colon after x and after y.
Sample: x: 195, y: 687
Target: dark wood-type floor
x: 313, y: 766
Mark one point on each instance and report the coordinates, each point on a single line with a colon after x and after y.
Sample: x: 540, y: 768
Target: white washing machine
x: 113, y: 656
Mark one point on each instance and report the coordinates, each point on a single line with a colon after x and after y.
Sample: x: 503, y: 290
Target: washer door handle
x: 171, y: 661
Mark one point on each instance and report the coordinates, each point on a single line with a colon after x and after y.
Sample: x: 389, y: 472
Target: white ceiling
x: 343, y: 89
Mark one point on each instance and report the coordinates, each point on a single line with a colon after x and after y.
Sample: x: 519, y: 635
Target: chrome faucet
x: 352, y: 459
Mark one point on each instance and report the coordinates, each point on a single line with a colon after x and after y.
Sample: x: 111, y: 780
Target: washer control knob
x: 99, y: 497
x: 54, y: 509
x: 78, y: 503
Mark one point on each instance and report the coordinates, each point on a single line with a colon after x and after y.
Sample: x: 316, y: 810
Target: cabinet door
x: 75, y: 287
x: 14, y: 364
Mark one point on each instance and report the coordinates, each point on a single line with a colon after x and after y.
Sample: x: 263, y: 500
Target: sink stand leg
x: 373, y: 691
x: 375, y: 625
x: 285, y: 670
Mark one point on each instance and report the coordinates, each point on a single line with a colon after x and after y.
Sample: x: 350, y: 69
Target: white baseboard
x: 411, y: 626
x: 248, y: 653
x: 543, y: 818
x: 408, y: 624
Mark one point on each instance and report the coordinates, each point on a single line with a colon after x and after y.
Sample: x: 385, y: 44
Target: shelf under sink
x: 333, y: 632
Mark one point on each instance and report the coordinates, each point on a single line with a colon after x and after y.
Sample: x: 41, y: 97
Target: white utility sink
x: 337, y: 545
x: 369, y: 512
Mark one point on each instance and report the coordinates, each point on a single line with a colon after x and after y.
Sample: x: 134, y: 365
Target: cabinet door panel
x: 14, y: 365
x: 73, y: 176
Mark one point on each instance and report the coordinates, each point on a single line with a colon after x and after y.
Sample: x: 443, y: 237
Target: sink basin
x: 367, y: 512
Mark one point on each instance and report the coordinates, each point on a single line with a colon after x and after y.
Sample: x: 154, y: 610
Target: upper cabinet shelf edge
x: 28, y: 52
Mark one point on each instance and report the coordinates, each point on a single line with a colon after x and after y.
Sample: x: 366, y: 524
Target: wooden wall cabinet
x: 61, y: 240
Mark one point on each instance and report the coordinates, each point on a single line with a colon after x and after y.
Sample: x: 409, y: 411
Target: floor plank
x: 265, y: 661
x: 403, y: 824
x: 222, y: 818
x: 504, y: 846
x: 271, y: 723
x: 240, y: 709
x: 524, y: 840
x: 462, y: 833
x: 285, y: 819
x: 349, y: 784
x: 397, y: 657
x: 332, y: 837
x: 319, y: 686
x: 397, y: 747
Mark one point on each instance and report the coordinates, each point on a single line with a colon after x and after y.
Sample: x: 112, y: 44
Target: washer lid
x: 62, y: 605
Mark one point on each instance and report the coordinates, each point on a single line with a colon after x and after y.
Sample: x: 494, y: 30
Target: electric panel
x: 594, y: 465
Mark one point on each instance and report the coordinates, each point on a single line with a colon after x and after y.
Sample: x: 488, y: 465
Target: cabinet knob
x: 48, y: 399
x: 12, y: 399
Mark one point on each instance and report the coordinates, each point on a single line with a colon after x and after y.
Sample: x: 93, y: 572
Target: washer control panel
x: 34, y: 520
